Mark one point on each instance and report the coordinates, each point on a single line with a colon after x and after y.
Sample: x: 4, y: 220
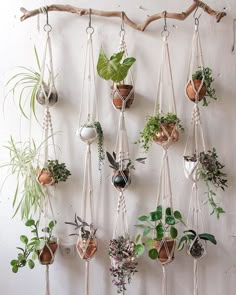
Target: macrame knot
x: 196, y: 115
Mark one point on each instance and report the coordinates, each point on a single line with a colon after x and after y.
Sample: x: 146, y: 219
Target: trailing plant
x: 31, y: 246
x: 206, y: 73
x: 192, y: 241
x: 82, y: 228
x: 115, y: 68
x: 127, y: 163
x: 156, y: 226
x: 210, y: 171
x: 123, y: 262
x: 153, y: 125
x: 101, y: 153
x: 22, y: 164
x: 57, y: 171
x: 27, y: 82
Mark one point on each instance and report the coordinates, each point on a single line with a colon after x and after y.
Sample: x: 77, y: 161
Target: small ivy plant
x: 155, y: 227
x: 29, y: 251
x: 153, y: 125
x: 206, y: 73
x: 57, y: 171
x: 115, y: 68
x: 100, y: 138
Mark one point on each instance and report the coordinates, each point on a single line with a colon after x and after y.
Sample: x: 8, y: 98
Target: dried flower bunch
x: 123, y: 262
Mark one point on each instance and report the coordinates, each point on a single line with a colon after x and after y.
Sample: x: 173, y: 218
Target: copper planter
x: 167, y: 131
x: 191, y: 93
x: 124, y: 91
x: 86, y: 248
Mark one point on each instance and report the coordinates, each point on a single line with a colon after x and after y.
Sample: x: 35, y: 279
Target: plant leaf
x: 153, y: 254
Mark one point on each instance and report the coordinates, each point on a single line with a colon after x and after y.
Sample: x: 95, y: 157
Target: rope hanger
x: 140, y: 27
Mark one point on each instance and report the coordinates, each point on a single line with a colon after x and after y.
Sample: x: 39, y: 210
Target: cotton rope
x: 47, y: 281
x: 164, y: 280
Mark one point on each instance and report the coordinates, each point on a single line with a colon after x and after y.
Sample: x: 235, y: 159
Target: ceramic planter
x: 40, y: 97
x: 121, y: 179
x: 46, y: 255
x: 190, y: 168
x: 191, y: 92
x: 124, y: 91
x: 45, y: 177
x: 86, y: 248
x: 197, y: 248
x: 88, y: 133
x: 162, y: 253
x: 167, y: 130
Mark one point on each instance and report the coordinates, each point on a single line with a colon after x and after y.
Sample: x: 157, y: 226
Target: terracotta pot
x: 85, y: 251
x: 119, y: 180
x: 162, y: 254
x: 45, y: 177
x: 45, y: 256
x: 161, y: 136
x: 40, y: 97
x: 124, y: 91
x: 191, y: 92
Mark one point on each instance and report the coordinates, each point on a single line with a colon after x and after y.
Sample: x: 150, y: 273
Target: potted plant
x: 44, y: 247
x: 195, y: 243
x: 159, y: 234
x: 116, y: 69
x: 209, y: 169
x: 123, y: 262
x: 29, y: 80
x: 121, y: 170
x: 161, y: 128
x: 87, y: 244
x: 53, y: 173
x: 198, y: 89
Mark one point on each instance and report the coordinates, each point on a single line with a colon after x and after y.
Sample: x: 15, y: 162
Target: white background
x: 218, y: 269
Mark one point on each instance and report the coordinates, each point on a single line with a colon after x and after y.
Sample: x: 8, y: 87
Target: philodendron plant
x: 152, y: 130
x: 34, y: 247
x: 114, y: 68
x: 158, y: 226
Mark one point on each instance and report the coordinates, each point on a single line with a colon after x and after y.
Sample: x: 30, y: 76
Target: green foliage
x: 153, y: 125
x: 57, y: 171
x: 126, y: 163
x: 210, y: 171
x: 22, y: 159
x: 206, y: 73
x: 115, y: 68
x: 157, y: 226
x: 28, y: 252
x: 101, y: 153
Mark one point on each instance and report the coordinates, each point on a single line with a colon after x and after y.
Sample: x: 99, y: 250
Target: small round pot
x: 86, y: 252
x: 191, y: 93
x: 40, y: 97
x: 196, y: 249
x: 45, y: 177
x: 124, y: 91
x: 162, y: 253
x: 161, y: 137
x: 120, y: 181
x: 46, y: 256
x: 190, y: 169
x: 88, y: 133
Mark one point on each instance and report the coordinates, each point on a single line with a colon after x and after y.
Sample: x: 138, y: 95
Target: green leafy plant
x: 29, y: 251
x: 101, y: 154
x: 82, y: 228
x: 27, y: 83
x: 153, y: 125
x: 57, y: 171
x: 126, y: 163
x: 156, y: 226
x: 192, y: 241
x: 206, y: 73
x: 29, y: 194
x: 115, y: 68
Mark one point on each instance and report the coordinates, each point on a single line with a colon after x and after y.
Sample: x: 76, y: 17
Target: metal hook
x: 90, y: 29
x: 196, y: 19
x: 165, y: 21
x: 165, y: 33
x: 47, y: 27
x: 122, y: 27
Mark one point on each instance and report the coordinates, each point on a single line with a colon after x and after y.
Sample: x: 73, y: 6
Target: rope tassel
x: 47, y: 281
x: 164, y: 280
x: 195, y: 277
x: 87, y: 278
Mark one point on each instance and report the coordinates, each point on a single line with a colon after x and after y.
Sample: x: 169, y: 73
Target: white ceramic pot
x: 88, y: 134
x: 190, y: 170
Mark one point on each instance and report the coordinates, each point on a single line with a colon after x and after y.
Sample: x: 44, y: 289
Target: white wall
x: 217, y: 272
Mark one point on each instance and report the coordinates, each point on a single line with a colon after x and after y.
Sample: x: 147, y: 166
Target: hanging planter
x: 88, y: 133
x: 123, y: 262
x: 86, y: 244
x: 116, y: 69
x: 200, y: 86
x: 42, y: 247
x: 162, y: 129
x: 195, y: 243
x: 43, y: 92
x: 159, y: 234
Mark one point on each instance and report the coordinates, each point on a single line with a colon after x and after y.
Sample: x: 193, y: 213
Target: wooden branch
x: 141, y: 27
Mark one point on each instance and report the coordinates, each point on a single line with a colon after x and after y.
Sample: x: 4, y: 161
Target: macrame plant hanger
x: 47, y: 95
x: 194, y: 146
x: 164, y: 194
x: 125, y: 95
x: 87, y: 244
